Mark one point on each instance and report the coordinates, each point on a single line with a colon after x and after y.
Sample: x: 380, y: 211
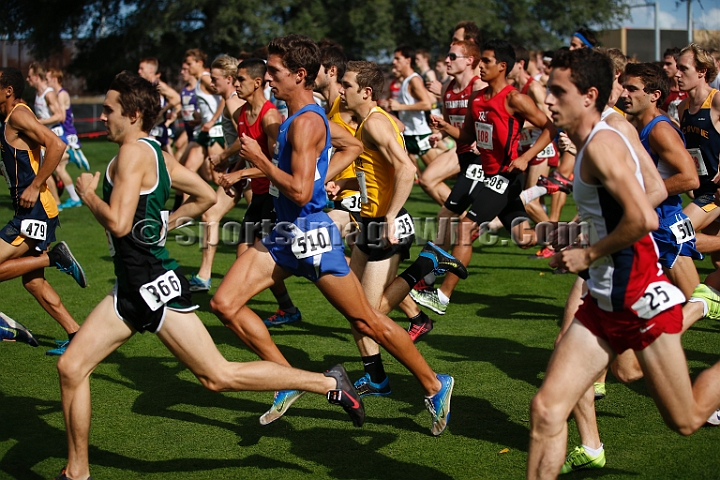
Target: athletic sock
x: 418, y: 319
x: 71, y: 191
x: 593, y: 452
x: 54, y: 257
x: 703, y: 302
x: 374, y: 367
x: 285, y: 303
x: 532, y: 193
x: 444, y: 299
x: 71, y: 335
x: 415, y: 272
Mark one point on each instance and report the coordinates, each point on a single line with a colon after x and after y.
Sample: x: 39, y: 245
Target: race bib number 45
x: 475, y: 172
x: 311, y: 243
x: 658, y: 297
x: 35, y: 229
x: 161, y: 290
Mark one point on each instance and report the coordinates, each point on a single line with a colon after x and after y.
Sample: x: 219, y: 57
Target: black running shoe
x: 66, y: 263
x: 62, y: 476
x: 345, y: 395
x: 443, y: 261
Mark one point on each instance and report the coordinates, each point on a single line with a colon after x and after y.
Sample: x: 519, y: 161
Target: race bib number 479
x: 35, y: 229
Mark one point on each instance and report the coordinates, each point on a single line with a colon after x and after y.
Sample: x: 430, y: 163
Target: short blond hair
x: 227, y: 64
x: 703, y: 61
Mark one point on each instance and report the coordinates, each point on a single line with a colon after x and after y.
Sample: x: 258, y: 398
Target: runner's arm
x: 56, y: 114
x: 347, y: 149
x: 417, y: 89
x: 668, y: 145
x: 524, y: 106
x: 201, y: 195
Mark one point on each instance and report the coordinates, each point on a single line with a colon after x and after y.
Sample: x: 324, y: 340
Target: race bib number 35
x: 404, y: 226
x: 311, y: 243
x: 658, y: 297
x: 35, y: 229
x: 161, y: 290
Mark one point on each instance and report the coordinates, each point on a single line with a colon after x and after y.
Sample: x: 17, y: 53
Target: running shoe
x: 711, y: 297
x: 59, y: 185
x: 418, y: 330
x: 281, y: 317
x: 562, y: 178
x: 579, y: 459
x: 67, y: 263
x: 542, y: 254
x: 197, y: 284
x: 78, y: 158
x: 365, y: 387
x: 714, y: 419
x: 60, y: 349
x: 553, y: 185
x: 429, y: 299
x: 600, y: 391
x: 12, y: 331
x: 422, y: 285
x: 439, y: 404
x: 281, y: 403
x: 345, y: 395
x: 443, y: 261
x: 62, y: 476
x: 69, y: 203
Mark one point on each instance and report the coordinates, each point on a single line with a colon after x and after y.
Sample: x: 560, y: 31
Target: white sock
x: 593, y: 452
x: 532, y: 193
x: 442, y: 297
x: 71, y: 191
x: 704, y: 304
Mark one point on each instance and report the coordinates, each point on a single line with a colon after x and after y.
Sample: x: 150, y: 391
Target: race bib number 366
x: 161, y: 290
x: 311, y: 243
x: 658, y: 297
x: 35, y: 229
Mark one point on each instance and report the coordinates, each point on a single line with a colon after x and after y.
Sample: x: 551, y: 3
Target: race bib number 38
x: 658, y: 297
x: 161, y: 290
x: 35, y: 229
x: 311, y: 243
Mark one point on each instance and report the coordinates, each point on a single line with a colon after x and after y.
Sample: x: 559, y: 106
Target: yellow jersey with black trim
x: 376, y: 175
x: 20, y: 167
x: 349, y: 172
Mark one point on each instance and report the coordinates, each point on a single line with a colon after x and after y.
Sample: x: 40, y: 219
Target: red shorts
x: 553, y: 161
x: 624, y: 329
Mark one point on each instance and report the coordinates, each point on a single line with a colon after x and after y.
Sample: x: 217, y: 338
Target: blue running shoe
x: 345, y: 395
x: 443, y: 261
x: 365, y: 387
x: 281, y: 403
x: 197, y: 284
x: 64, y: 260
x: 12, y: 331
x: 281, y: 318
x: 78, y: 158
x: 439, y: 404
x: 69, y: 203
x: 60, y: 349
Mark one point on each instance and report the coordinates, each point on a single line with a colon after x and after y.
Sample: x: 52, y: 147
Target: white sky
x: 673, y: 15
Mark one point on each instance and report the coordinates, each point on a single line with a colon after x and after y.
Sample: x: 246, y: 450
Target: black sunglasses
x: 454, y: 56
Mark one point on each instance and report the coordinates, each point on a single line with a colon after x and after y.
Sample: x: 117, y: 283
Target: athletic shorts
x: 417, y: 144
x: 469, y: 182
x: 668, y: 244
x: 292, y: 245
x: 370, y: 239
x: 499, y: 197
x: 160, y: 133
x: 705, y: 200
x: 10, y: 233
x: 132, y: 309
x: 205, y: 140
x: 259, y: 218
x: 553, y: 159
x: 351, y: 205
x: 624, y: 330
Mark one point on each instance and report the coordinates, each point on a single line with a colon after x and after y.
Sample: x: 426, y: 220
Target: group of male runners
x: 626, y: 186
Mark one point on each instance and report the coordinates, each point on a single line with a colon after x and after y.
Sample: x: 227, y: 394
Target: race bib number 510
x: 161, y: 290
x: 311, y: 243
x: 658, y: 297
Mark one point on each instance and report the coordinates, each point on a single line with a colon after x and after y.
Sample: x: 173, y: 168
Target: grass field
x: 152, y: 419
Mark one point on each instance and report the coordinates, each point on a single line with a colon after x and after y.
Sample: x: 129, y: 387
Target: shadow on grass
x: 513, y: 306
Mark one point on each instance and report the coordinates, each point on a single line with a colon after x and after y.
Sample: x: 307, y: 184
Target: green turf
x: 153, y: 420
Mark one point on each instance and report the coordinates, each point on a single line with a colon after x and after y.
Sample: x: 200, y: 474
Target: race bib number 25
x: 658, y: 297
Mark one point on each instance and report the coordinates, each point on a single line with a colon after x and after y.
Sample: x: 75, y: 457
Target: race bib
x: 311, y: 243
x: 404, y: 226
x: 216, y: 131
x: 363, y: 186
x: 351, y: 203
x: 483, y: 135
x: 658, y: 297
x: 188, y: 112
x: 161, y: 290
x: 111, y: 246
x: 697, y: 157
x: 73, y: 141
x: 525, y: 138
x: 683, y: 230
x: 475, y: 172
x: 273, y: 190
x: 547, y: 152
x: 457, y: 120
x: 156, y: 131
x: 423, y: 143
x: 35, y: 229
x: 497, y: 183
x: 58, y: 130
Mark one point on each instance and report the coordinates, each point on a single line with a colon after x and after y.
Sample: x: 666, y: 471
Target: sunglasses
x: 454, y: 56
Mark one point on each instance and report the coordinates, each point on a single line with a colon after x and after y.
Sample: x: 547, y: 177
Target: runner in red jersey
x: 494, y: 118
x: 676, y: 96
